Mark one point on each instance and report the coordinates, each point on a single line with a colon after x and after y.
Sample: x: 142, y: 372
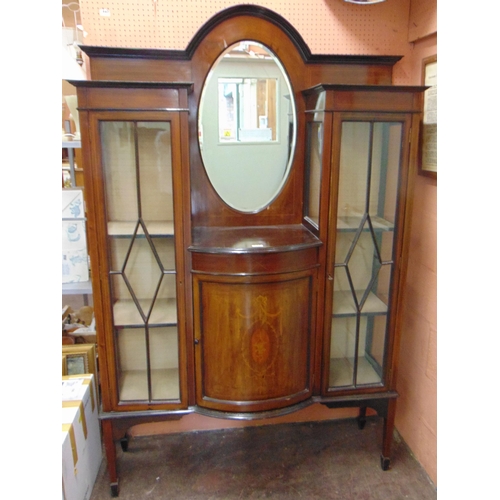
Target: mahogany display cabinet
x: 248, y: 217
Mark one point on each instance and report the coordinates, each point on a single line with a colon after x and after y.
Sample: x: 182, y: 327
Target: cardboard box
x: 82, y: 449
x: 75, y: 484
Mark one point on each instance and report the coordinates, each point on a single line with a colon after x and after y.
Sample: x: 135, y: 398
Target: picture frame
x: 80, y: 359
x: 427, y: 164
x: 64, y: 366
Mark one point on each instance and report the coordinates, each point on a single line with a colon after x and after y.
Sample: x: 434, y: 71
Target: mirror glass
x: 246, y: 126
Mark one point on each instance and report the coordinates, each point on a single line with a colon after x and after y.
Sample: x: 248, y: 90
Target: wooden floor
x: 313, y: 460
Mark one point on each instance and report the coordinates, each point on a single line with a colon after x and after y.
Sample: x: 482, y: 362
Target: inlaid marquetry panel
x: 253, y: 341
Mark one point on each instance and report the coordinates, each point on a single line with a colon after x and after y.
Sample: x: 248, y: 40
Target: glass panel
x: 155, y: 160
x: 342, y: 351
x: 375, y: 346
x: 353, y: 175
x: 368, y: 179
x: 313, y: 170
x: 133, y: 350
x: 368, y: 371
x: 126, y: 311
x: 164, y: 363
x: 137, y: 163
x: 118, y: 156
x: 386, y: 154
x: 343, y: 365
x: 132, y: 356
x: 164, y: 310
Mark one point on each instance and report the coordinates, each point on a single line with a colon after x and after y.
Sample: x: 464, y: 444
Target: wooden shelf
x: 164, y: 385
x: 164, y: 312
x: 254, y: 239
x: 155, y: 228
x: 343, y: 304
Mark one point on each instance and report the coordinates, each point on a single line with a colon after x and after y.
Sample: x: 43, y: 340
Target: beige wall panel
x: 327, y: 26
x: 416, y: 415
x: 423, y: 19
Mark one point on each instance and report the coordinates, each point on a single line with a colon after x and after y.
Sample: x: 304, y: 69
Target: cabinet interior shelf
x: 351, y: 223
x: 343, y: 304
x: 164, y: 385
x: 77, y: 288
x: 71, y: 144
x: 164, y: 312
x: 127, y: 228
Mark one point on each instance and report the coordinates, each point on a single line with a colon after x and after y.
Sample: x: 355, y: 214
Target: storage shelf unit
x: 71, y: 146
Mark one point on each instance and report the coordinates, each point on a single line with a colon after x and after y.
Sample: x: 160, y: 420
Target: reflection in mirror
x: 313, y: 171
x: 247, y: 126
x: 247, y: 109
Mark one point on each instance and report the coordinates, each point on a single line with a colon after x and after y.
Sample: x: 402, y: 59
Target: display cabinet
x: 248, y: 209
x: 358, y: 201
x: 138, y: 235
x: 137, y: 164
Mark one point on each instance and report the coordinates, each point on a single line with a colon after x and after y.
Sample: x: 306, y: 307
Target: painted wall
x: 395, y: 27
x: 416, y: 416
x: 327, y: 26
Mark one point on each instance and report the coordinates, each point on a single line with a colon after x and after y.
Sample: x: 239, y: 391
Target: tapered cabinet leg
x: 124, y: 443
x: 114, y: 489
x: 362, y: 418
x: 385, y: 458
x: 109, y: 446
x: 385, y: 462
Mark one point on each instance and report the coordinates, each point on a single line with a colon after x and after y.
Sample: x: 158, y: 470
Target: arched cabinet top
x: 110, y: 63
x: 195, y: 63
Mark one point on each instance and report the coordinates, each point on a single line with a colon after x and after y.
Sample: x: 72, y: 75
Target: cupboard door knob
x: 196, y: 341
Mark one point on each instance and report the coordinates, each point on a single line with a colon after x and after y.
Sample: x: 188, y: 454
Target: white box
x: 75, y: 477
x: 82, y: 449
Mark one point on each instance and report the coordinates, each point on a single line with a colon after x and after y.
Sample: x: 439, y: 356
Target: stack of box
x: 81, y: 436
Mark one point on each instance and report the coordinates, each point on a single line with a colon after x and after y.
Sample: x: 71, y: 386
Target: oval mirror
x: 246, y: 126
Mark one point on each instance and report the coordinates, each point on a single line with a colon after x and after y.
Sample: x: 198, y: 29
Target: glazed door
x: 362, y: 258
x: 141, y: 261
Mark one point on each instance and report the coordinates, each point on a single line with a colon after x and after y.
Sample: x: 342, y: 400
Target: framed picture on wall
x: 80, y: 359
x: 428, y: 133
